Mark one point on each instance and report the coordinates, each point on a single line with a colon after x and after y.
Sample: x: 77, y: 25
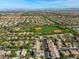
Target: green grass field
x: 49, y: 30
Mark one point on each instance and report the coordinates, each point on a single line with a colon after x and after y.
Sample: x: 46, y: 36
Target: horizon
x: 38, y: 4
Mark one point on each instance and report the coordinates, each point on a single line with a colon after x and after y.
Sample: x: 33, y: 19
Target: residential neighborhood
x: 39, y: 36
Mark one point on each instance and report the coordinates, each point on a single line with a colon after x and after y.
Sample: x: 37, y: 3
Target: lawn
x: 50, y: 30
x: 46, y: 30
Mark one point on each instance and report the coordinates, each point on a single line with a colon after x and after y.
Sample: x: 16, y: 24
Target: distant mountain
x: 40, y: 10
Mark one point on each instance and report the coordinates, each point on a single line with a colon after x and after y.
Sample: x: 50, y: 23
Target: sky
x: 38, y: 4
